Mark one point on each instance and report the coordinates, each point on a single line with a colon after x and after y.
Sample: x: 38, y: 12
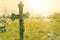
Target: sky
x: 35, y: 7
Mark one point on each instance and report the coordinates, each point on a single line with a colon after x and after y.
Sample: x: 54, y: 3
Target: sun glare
x: 34, y: 4
x: 39, y: 6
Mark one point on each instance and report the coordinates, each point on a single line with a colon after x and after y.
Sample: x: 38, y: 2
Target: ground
x: 35, y: 29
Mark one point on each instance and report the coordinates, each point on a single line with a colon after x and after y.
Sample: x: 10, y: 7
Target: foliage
x: 55, y: 16
x: 34, y: 29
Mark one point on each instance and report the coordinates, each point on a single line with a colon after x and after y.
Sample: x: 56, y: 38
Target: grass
x: 35, y: 29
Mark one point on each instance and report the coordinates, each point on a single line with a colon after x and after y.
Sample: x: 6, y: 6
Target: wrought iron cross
x: 21, y: 19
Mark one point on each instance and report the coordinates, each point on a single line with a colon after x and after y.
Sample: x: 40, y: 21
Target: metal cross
x: 21, y: 19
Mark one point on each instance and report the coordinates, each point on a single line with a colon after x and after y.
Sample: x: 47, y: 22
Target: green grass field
x: 35, y: 29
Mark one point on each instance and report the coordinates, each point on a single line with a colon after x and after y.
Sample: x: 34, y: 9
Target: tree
x: 55, y: 16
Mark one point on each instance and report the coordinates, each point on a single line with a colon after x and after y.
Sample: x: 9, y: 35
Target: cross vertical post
x: 21, y: 20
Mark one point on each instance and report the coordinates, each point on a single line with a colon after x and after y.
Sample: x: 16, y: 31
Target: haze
x: 35, y: 7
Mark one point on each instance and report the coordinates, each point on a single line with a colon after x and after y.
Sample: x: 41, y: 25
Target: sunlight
x: 34, y: 4
x: 39, y: 6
